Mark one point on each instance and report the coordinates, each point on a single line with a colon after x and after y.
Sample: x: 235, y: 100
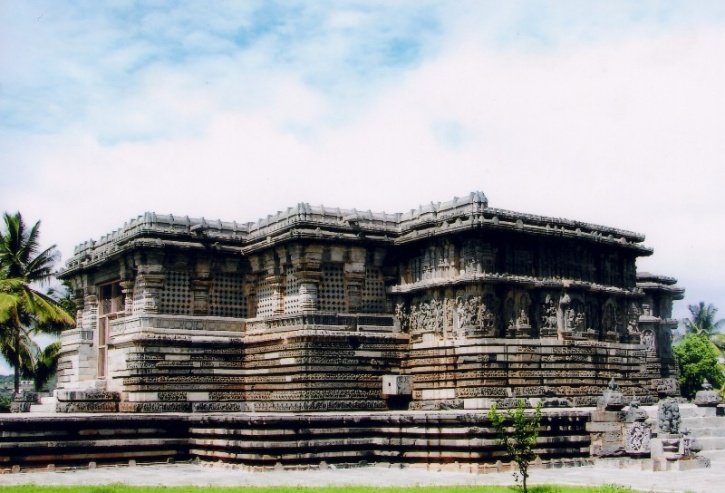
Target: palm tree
x: 704, y: 323
x: 46, y: 364
x: 24, y: 309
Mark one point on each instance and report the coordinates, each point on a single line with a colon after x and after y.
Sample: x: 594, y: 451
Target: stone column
x: 307, y: 263
x: 200, y: 295
x: 200, y: 285
x: 127, y: 290
x: 354, y: 282
x: 354, y: 278
x: 89, y: 314
x: 149, y: 287
x: 278, y: 285
x: 149, y: 282
x: 309, y: 284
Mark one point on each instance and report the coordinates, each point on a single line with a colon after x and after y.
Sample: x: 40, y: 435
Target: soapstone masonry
x: 453, y: 305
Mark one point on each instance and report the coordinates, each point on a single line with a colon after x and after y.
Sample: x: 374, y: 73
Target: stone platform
x: 276, y: 440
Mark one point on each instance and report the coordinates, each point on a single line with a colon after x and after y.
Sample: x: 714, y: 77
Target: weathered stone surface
x: 707, y: 397
x: 264, y: 439
x: 312, y: 308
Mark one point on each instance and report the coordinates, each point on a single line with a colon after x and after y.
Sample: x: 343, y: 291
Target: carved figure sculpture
x: 647, y: 339
x: 402, y: 315
x: 548, y: 318
x: 637, y: 438
x: 471, y: 309
x: 633, y: 322
x: 668, y: 416
x: 461, y: 312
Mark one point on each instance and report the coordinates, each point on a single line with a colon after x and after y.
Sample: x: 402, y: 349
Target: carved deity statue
x: 647, y: 339
x: 402, y: 315
x: 461, y: 312
x: 549, y: 314
x: 414, y: 318
x: 523, y: 318
x: 668, y: 416
x: 488, y: 319
x: 633, y: 321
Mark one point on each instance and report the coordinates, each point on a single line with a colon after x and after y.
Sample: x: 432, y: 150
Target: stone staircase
x: 47, y: 405
x: 705, y: 427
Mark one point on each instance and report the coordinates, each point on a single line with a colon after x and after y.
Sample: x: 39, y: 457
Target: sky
x: 608, y: 112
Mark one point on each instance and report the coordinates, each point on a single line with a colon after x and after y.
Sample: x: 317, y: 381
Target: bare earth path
x: 711, y: 479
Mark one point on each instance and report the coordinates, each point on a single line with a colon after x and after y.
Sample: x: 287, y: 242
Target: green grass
x: 294, y: 489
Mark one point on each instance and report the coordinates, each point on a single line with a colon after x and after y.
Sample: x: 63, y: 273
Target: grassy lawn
x: 292, y: 489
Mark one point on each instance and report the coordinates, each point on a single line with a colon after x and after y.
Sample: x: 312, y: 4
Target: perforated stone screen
x: 332, y: 289
x: 373, y: 295
x: 292, y: 293
x: 226, y: 298
x: 265, y: 300
x: 175, y: 298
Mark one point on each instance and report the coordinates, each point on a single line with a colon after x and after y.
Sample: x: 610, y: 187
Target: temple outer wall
x: 475, y: 305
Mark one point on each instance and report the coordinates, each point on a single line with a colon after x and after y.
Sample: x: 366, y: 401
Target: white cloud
x: 624, y: 131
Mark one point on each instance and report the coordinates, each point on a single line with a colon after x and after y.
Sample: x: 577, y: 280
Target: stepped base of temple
x: 276, y: 439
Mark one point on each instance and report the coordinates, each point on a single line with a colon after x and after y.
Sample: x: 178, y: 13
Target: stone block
x: 397, y: 384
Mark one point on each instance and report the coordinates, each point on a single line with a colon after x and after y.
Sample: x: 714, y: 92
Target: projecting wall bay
x: 296, y: 371
x: 478, y: 373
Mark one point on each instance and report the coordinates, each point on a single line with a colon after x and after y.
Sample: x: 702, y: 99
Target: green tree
x: 24, y: 309
x: 517, y: 432
x: 698, y: 359
x: 45, y: 364
x: 704, y: 322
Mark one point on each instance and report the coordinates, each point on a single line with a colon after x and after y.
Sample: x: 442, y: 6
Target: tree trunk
x: 16, y: 372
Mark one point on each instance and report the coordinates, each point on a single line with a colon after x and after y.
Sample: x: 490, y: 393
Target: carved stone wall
x: 308, y: 309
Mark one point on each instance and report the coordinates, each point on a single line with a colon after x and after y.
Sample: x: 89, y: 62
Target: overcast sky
x: 608, y: 112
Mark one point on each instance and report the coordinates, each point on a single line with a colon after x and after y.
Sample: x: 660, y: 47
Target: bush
x: 697, y: 358
x: 520, y: 438
x: 5, y: 402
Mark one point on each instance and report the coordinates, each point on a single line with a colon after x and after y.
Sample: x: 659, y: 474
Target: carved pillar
x: 354, y: 278
x: 200, y: 295
x: 127, y: 290
x: 89, y: 314
x: 309, y: 284
x: 149, y: 282
x: 307, y: 263
x: 149, y: 287
x: 354, y: 282
x: 200, y: 285
x: 278, y: 285
x: 250, y: 294
x: 78, y: 300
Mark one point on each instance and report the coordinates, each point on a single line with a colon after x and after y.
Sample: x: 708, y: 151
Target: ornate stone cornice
x: 320, y: 223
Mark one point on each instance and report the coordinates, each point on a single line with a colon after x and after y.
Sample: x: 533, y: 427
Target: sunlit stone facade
x: 453, y: 305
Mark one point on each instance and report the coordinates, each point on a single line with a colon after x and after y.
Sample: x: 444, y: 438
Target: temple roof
x: 309, y: 221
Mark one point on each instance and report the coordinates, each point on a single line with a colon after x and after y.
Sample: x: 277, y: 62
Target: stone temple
x: 453, y: 305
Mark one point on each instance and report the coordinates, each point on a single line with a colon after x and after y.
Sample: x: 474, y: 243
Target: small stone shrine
x: 453, y: 305
x: 615, y: 432
x: 707, y: 396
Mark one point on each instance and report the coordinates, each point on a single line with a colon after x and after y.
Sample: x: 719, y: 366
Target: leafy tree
x: 704, y: 322
x: 23, y: 308
x: 518, y: 432
x: 45, y: 365
x: 5, y: 404
x: 698, y: 359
